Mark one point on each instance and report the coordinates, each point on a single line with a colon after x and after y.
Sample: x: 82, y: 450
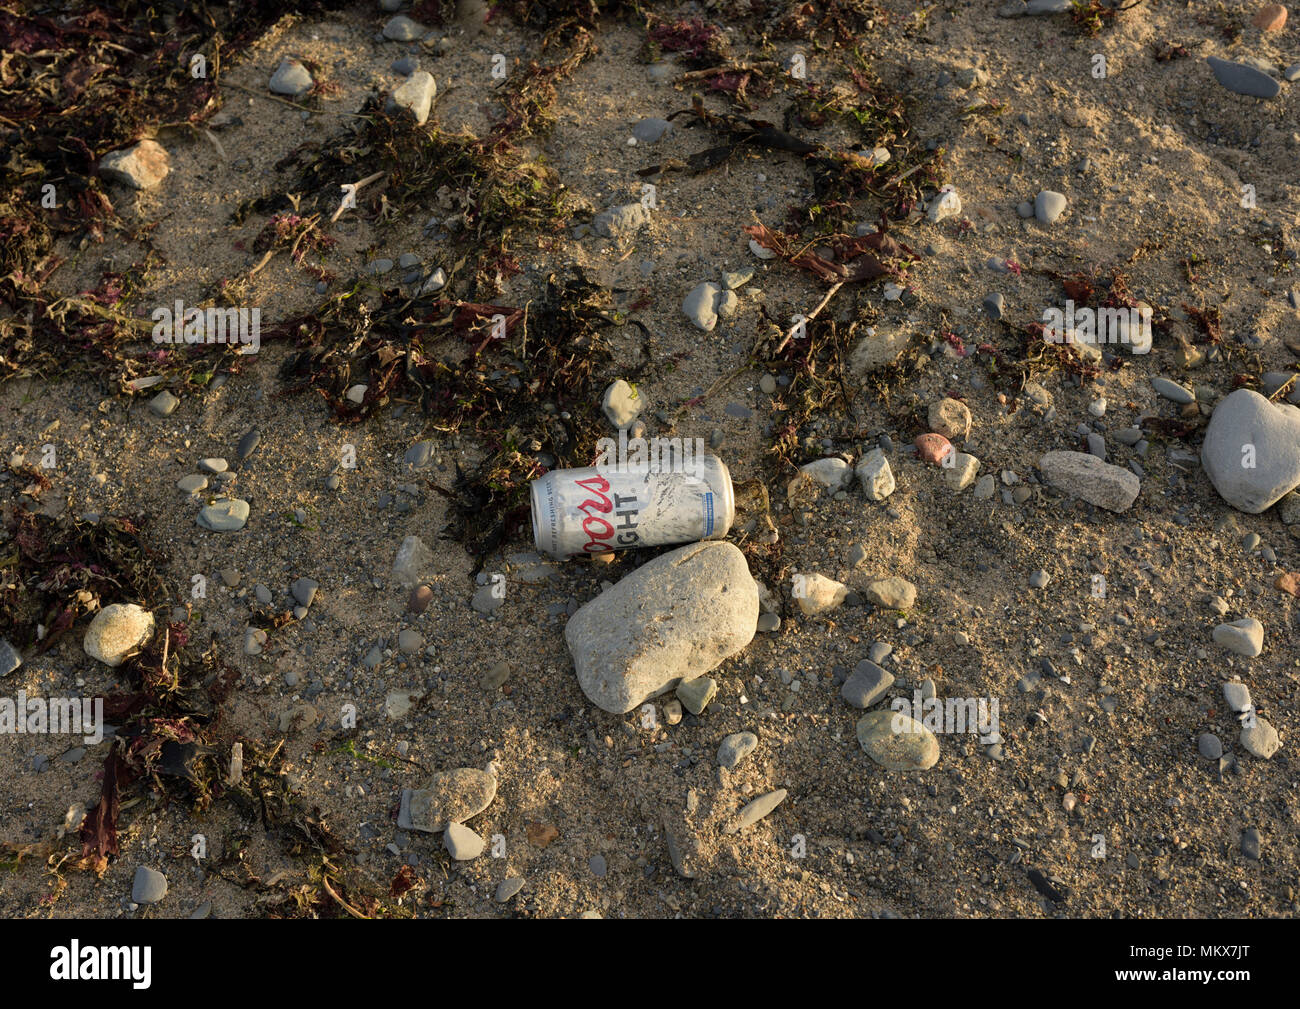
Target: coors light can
x: 603, y: 508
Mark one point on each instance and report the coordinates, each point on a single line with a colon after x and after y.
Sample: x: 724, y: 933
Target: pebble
x: 193, y: 483
x: 832, y: 472
x: 672, y: 711
x: 1209, y: 746
x: 816, y: 594
x: 960, y: 469
x: 142, y: 166
x: 867, y: 685
x: 651, y: 131
x: 696, y: 694
x: 1251, y: 843
x: 1081, y: 475
x: 403, y: 29
x: 213, y: 465
x: 10, y: 659
x: 673, y: 619
x: 891, y: 593
x: 1270, y: 18
x: 409, y: 642
x: 116, y: 632
x: 733, y: 279
x: 164, y: 404
x: 755, y: 811
x: 149, y: 886
x: 1237, y: 696
x: 304, y: 590
x: 248, y: 444
x: 875, y: 476
x: 760, y: 251
x: 950, y: 418
x: 414, y: 96
x: 599, y: 868
x: 462, y: 843
x: 994, y: 306
x: 412, y: 560
x: 508, y: 888
x: 622, y: 403
x: 486, y: 600
x: 1260, y: 740
x: 225, y: 516
x: 621, y: 221
x: 451, y: 797
x: 914, y: 748
x: 1048, y: 206
x: 736, y: 748
x: 1244, y: 637
x: 290, y: 78
x: 945, y: 204
x: 932, y: 447
x: 405, y: 65
x: 768, y: 623
x: 1039, y: 579
x: 699, y: 305
x: 1243, y: 79
x: 1173, y: 391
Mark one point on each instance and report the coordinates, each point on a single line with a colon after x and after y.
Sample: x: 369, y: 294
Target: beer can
x: 602, y: 508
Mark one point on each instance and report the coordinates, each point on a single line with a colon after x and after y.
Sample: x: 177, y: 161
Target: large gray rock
x: 1085, y: 476
x: 116, y: 632
x: 674, y: 618
x: 1251, y: 451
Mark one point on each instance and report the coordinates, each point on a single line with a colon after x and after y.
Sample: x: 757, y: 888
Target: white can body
x: 603, y: 508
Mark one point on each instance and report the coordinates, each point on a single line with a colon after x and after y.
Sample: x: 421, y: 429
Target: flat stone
x: 755, y: 811
x: 1173, y: 391
x: 1085, y: 476
x: 1244, y: 637
x: 832, y: 472
x: 1270, y: 18
x: 878, y: 349
x: 412, y: 561
x: 867, y: 685
x: 304, y: 590
x: 164, y: 404
x: 1209, y: 746
x: 1251, y: 452
x: 213, y: 464
x: 932, y: 448
x: 735, y: 748
x: 950, y: 418
x: 508, y: 888
x: 960, y: 470
x: 674, y: 618
x: 414, y: 96
x: 696, y: 694
x: 248, y: 444
x: 143, y: 166
x: 193, y: 483
x: 226, y: 516
x: 896, y: 741
x: 290, y: 78
x: 419, y: 455
x: 651, y: 131
x: 1260, y: 740
x: 450, y: 797
x: 1237, y: 695
x: 149, y: 886
x: 462, y: 844
x: 117, y: 632
x: 891, y: 593
x: 1243, y: 79
x: 409, y: 641
x: 1251, y: 843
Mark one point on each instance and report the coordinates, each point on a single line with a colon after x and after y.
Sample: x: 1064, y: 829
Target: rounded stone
x: 116, y: 632
x: 897, y: 742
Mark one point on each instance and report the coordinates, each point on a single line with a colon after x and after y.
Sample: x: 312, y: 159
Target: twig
x: 292, y: 105
x: 325, y: 882
x: 350, y: 191
x: 734, y: 68
x: 811, y: 315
